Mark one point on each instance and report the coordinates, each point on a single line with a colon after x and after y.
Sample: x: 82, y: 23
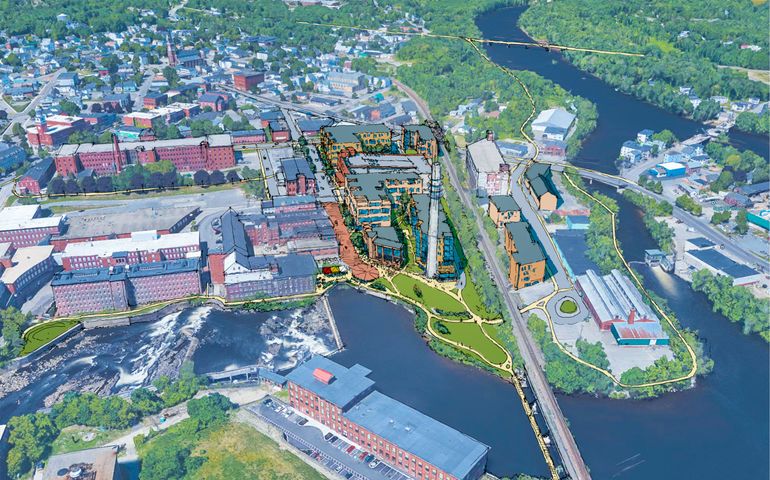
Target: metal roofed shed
x: 346, y: 385
x: 722, y: 265
x: 432, y: 441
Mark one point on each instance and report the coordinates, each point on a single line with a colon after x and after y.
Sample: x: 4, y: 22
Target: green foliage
x: 13, y: 322
x: 741, y: 222
x: 210, y: 409
x: 687, y: 203
x: 652, y: 185
x: 30, y: 438
x: 651, y: 208
x: 563, y: 372
x: 184, y: 388
x: 666, y: 136
x: 736, y: 303
x: 753, y: 122
x: 653, y: 28
x: 720, y: 217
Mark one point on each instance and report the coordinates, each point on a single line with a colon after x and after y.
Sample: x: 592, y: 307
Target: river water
x: 718, y: 429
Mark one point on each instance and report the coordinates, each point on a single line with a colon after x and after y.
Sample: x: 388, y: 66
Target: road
x: 23, y: 116
x: 699, y: 224
x: 530, y: 351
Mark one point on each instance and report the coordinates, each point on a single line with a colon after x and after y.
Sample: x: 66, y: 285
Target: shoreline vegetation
x: 601, y: 251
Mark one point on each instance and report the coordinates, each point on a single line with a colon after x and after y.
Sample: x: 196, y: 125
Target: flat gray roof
x: 528, y: 249
x: 217, y: 140
x: 347, y: 386
x: 427, y: 438
x: 84, y: 226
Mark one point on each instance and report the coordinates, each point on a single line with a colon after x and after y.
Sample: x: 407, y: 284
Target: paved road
x: 700, y: 224
x: 530, y: 352
x: 23, y: 116
x: 325, y: 191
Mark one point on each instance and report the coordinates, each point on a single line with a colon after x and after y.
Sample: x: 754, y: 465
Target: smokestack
x: 490, y: 135
x: 631, y: 316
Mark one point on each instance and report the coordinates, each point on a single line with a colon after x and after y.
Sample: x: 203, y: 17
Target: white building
x: 488, y: 172
x: 553, y: 124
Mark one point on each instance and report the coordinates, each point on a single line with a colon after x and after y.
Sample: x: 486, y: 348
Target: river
x: 718, y: 429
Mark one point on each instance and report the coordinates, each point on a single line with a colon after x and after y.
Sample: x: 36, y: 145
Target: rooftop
x: 149, y: 241
x: 349, y: 133
x: 555, y: 117
x: 86, y: 226
x: 25, y: 217
x: 722, y: 263
x: 614, y: 296
x: 432, y: 441
x: 346, y: 386
x: 25, y: 258
x: 94, y: 464
x: 504, y: 203
x: 528, y: 249
x: 486, y: 155
x: 218, y: 140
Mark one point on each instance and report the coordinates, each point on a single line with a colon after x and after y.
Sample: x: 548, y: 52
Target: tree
x: 30, y: 437
x: 88, y: 184
x: 71, y: 187
x: 104, y: 184
x: 232, y: 177
x: 202, y: 178
x: 665, y: 136
x: 56, y: 186
x: 146, y: 402
x: 217, y: 177
x: 741, y: 222
x: 210, y: 409
x: 720, y: 217
x: 706, y: 110
x: 686, y: 202
x: 155, y: 180
x: 70, y: 108
x: 137, y: 181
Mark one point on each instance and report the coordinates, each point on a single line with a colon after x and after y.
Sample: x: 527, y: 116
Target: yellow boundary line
x: 541, y: 304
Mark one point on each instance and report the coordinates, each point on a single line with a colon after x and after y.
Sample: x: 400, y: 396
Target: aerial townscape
x: 386, y: 240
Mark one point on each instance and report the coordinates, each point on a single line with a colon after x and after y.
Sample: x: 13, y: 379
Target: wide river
x: 718, y: 429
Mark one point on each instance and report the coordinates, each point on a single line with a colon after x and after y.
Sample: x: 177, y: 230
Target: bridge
x: 249, y: 371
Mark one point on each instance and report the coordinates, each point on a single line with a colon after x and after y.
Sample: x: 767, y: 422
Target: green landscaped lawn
x: 568, y: 306
x: 43, y: 333
x: 384, y: 283
x: 431, y: 297
x: 76, y: 438
x: 473, y: 300
x: 470, y: 334
x: 235, y: 450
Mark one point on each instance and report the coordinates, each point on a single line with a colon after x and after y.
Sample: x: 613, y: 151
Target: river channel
x: 719, y: 429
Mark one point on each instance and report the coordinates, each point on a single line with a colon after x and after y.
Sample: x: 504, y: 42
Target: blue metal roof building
x: 432, y: 441
x: 348, y: 386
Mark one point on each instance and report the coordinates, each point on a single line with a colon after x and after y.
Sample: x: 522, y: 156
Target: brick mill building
x: 247, y: 80
x: 23, y: 225
x: 211, y: 152
x: 53, y: 131
x: 140, y: 247
x: 123, y: 287
x: 344, y: 399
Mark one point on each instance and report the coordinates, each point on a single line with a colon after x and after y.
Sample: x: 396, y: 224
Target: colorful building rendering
x: 212, y: 152
x: 123, y: 287
x: 384, y: 245
x: 300, y: 179
x: 541, y: 187
x: 419, y: 138
x: 503, y: 209
x: 371, y: 197
x: 359, y: 138
x: 448, y: 256
x: 344, y: 399
x: 488, y: 173
x: 527, y: 259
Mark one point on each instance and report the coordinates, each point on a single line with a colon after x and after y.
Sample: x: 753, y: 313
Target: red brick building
x: 54, y: 130
x: 37, y: 177
x: 216, y: 101
x: 141, y: 247
x: 23, y: 226
x: 120, y: 288
x: 247, y: 80
x: 300, y: 179
x: 212, y: 152
x: 345, y: 400
x: 155, y: 100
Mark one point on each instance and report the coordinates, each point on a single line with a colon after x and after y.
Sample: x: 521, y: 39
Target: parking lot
x: 334, y: 452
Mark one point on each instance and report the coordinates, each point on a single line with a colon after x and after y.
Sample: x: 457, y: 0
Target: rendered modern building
x: 344, y: 399
x: 359, y: 138
x: 616, y: 305
x: 488, y: 173
x: 503, y: 209
x: 527, y: 259
x: 371, y: 197
x: 419, y: 138
x: 140, y: 247
x: 23, y: 225
x: 384, y: 245
x: 123, y: 287
x: 541, y: 187
x: 212, y: 152
x: 446, y: 252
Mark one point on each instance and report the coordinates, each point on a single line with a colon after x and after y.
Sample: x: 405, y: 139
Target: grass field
x: 568, y: 306
x: 236, y: 450
x: 473, y: 300
x: 431, y: 297
x: 80, y: 438
x: 383, y: 283
x: 470, y: 334
x: 43, y: 333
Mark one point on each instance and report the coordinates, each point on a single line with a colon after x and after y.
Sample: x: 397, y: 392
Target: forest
x: 683, y: 44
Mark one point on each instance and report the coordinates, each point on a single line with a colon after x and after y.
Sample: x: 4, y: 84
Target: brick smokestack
x: 632, y: 316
